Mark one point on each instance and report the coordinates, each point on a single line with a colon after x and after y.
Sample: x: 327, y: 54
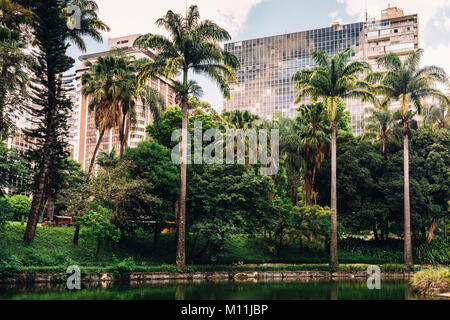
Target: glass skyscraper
x: 267, y: 64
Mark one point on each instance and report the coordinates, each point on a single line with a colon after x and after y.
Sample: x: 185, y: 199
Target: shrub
x: 432, y: 281
x: 10, y: 266
x: 5, y: 212
x: 20, y: 205
x: 437, y: 252
x: 122, y: 267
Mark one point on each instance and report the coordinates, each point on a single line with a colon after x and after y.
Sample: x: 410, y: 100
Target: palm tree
x: 436, y: 116
x: 333, y: 79
x: 110, y: 85
x: 192, y: 46
x: 407, y: 84
x: 313, y: 133
x: 381, y: 126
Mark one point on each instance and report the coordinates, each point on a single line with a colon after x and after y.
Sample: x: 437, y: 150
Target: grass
x: 432, y: 281
x: 53, y: 250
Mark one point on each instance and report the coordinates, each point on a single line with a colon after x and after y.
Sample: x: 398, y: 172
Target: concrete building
x: 267, y: 64
x: 84, y: 133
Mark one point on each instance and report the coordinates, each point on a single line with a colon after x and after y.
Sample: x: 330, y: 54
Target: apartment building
x: 267, y: 64
x: 85, y: 138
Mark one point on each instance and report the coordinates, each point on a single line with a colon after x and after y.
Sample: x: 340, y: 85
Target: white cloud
x: 443, y: 24
x: 438, y: 56
x: 139, y: 16
x: 333, y: 14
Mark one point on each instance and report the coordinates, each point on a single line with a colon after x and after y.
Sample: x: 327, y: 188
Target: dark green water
x: 228, y: 290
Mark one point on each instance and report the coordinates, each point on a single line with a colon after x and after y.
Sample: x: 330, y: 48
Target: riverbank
x: 210, y: 273
x: 433, y: 282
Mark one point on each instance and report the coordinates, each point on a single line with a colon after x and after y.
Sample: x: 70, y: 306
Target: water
x: 226, y: 290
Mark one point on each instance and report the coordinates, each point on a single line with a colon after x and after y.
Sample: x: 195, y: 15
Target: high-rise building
x: 267, y: 64
x: 84, y: 133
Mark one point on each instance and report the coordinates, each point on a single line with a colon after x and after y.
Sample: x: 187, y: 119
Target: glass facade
x: 267, y: 66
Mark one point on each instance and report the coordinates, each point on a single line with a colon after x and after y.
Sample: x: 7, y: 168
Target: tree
x: 51, y: 103
x: 333, y: 79
x: 20, y: 205
x: 381, y: 126
x: 153, y: 163
x: 436, y: 116
x: 15, y: 172
x: 407, y: 84
x: 313, y: 133
x: 97, y: 224
x: 109, y: 83
x: 13, y: 61
x: 192, y: 46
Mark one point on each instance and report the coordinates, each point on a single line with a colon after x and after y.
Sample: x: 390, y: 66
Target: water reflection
x: 305, y: 289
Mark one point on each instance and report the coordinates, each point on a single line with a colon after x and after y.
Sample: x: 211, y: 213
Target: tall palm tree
x: 407, y: 84
x: 110, y: 85
x: 330, y: 81
x: 313, y: 133
x: 192, y: 45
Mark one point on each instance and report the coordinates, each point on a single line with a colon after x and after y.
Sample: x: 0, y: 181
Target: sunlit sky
x: 248, y: 19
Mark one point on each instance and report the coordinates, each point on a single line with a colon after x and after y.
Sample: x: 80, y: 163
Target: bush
x: 5, y: 212
x: 432, y: 281
x: 10, y: 266
x: 20, y: 205
x: 437, y: 252
x: 122, y: 267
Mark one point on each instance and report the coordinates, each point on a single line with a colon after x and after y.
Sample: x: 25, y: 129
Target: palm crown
x: 333, y: 78
x: 407, y: 83
x: 192, y: 46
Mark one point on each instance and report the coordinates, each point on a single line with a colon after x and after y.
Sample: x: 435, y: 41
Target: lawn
x: 54, y: 247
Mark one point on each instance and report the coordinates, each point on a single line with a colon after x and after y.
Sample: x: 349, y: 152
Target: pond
x: 226, y: 290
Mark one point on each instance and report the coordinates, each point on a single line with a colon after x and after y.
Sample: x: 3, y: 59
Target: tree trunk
x: 76, y: 234
x: 375, y: 231
x: 98, y: 250
x: 433, y: 228
x: 38, y: 197
x: 408, y: 244
x: 308, y: 188
x: 181, y: 228
x: 333, y: 241
x: 50, y: 208
x: 91, y: 166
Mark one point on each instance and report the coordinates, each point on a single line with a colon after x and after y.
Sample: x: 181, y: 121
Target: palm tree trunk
x: 91, y: 166
x: 308, y: 188
x: 408, y: 245
x: 333, y: 240
x: 181, y: 228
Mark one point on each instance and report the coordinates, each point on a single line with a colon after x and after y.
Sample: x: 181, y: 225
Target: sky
x: 248, y: 19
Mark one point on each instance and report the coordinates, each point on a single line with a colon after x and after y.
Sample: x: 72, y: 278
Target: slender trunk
x: 308, y: 188
x: 2, y: 105
x: 124, y: 135
x: 375, y: 231
x: 333, y: 239
x: 445, y: 227
x: 38, y: 197
x: 98, y: 250
x: 181, y: 246
x: 433, y: 228
x: 156, y: 236
x: 76, y: 234
x: 50, y: 208
x: 91, y: 166
x: 408, y: 244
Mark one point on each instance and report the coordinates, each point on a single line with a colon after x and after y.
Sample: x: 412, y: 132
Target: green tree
x: 192, y: 46
x: 13, y: 62
x: 97, y: 225
x: 407, y: 84
x: 51, y: 104
x: 20, y: 205
x: 333, y: 79
x: 313, y: 133
x: 109, y: 83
